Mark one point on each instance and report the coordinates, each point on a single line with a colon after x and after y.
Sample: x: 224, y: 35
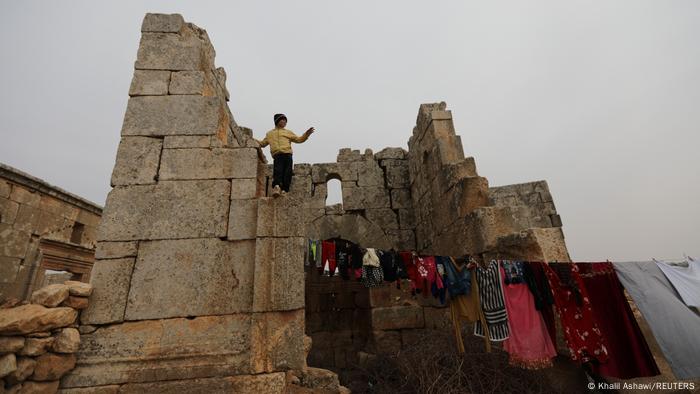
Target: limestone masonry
x: 199, y: 280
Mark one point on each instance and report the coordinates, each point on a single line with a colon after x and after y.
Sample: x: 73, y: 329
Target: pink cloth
x: 529, y: 345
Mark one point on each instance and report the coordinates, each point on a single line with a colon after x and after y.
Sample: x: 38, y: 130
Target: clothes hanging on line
x: 372, y: 276
x: 675, y: 326
x: 492, y: 303
x: 370, y: 258
x: 458, y: 277
x: 529, y: 344
x: 541, y: 292
x: 628, y: 351
x: 467, y: 307
x: 686, y: 280
x: 581, y: 332
x: 328, y: 256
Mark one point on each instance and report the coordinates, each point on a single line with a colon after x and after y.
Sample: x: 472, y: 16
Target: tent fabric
x: 674, y: 324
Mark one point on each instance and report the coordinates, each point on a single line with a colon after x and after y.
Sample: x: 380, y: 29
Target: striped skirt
x: 492, y: 303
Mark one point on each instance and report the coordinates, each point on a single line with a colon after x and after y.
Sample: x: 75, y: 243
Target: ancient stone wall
x: 198, y: 278
x: 42, y: 228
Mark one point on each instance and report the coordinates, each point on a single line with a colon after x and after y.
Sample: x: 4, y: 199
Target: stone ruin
x: 199, y: 279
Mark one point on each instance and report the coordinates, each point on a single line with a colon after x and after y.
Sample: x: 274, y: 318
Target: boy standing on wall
x: 280, y: 141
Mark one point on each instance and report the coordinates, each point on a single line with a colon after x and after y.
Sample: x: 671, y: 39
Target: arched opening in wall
x: 334, y: 192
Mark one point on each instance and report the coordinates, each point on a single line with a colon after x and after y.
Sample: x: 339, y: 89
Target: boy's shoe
x: 276, y: 191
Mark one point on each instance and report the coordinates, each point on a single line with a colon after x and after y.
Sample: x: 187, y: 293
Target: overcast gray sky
x: 600, y: 98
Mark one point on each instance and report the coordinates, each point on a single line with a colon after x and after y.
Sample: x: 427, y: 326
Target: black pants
x: 282, y: 170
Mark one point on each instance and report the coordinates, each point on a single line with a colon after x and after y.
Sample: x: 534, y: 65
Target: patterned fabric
x: 372, y: 276
x: 458, y: 278
x: 514, y: 272
x: 581, y: 331
x: 492, y: 303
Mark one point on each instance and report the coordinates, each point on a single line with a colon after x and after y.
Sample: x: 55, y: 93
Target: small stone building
x: 47, y: 235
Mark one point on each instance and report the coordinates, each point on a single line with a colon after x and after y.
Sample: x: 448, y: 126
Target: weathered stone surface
x: 397, y: 317
x: 8, y: 210
x: 25, y: 368
x: 115, y: 250
x: 25, y: 196
x: 369, y: 174
x: 191, y: 277
x: 76, y: 288
x: 386, y: 342
x: 30, y: 387
x: 162, y: 51
x: 347, y: 154
x: 279, y: 274
x: 66, y: 341
x: 391, y: 153
x: 397, y: 176
x: 164, y: 23
x: 9, y: 268
x: 437, y: 318
x: 243, y: 219
x: 111, y: 279
x: 109, y: 389
x: 8, y: 364
x: 243, y: 188
x: 51, y: 366
x: 172, y: 115
x: 149, y: 83
x: 280, y: 217
x: 273, y: 383
x: 13, y: 243
x: 137, y: 161
x: 365, y: 197
x: 40, y: 334
x: 384, y: 217
x: 185, y: 209
x: 187, y: 82
x: 407, y: 219
x: 32, y: 318
x: 208, y: 163
x: 187, y: 141
x: 36, y: 346
x: 320, y: 379
x: 51, y: 295
x: 277, y: 341
x: 11, y: 344
x: 76, y: 302
x: 5, y: 189
x: 169, y: 349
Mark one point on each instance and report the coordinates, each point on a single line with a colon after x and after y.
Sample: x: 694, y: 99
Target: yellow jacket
x: 280, y: 140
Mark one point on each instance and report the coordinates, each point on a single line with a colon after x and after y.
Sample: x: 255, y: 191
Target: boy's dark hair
x: 279, y: 117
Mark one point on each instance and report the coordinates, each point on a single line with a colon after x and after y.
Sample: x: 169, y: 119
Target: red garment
x: 328, y: 254
x: 528, y: 345
x: 424, y: 274
x: 581, y: 331
x: 630, y: 356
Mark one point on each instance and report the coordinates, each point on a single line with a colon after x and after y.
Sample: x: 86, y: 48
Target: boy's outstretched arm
x: 303, y: 137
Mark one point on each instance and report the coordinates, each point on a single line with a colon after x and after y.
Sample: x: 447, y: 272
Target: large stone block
x: 51, y: 366
x: 5, y: 189
x: 277, y: 341
x: 165, y: 23
x: 24, y: 196
x: 167, y: 210
x: 13, y: 243
x: 243, y: 219
x: 403, y: 239
x: 149, y: 83
x: 187, y: 141
x: 401, y: 198
x: 172, y: 115
x: 157, y: 350
x: 369, y: 174
x: 384, y: 217
x: 397, y: 176
x: 391, y: 153
x: 137, y: 161
x: 9, y: 267
x: 273, y: 383
x: 191, y: 277
x: 281, y: 217
x: 187, y: 82
x: 218, y: 163
x: 279, y: 274
x: 110, y: 279
x: 115, y: 250
x: 407, y: 219
x: 8, y: 210
x: 163, y: 51
x: 321, y: 173
x: 347, y: 155
x: 365, y: 197
x: 243, y: 188
x: 397, y: 317
x: 31, y: 318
